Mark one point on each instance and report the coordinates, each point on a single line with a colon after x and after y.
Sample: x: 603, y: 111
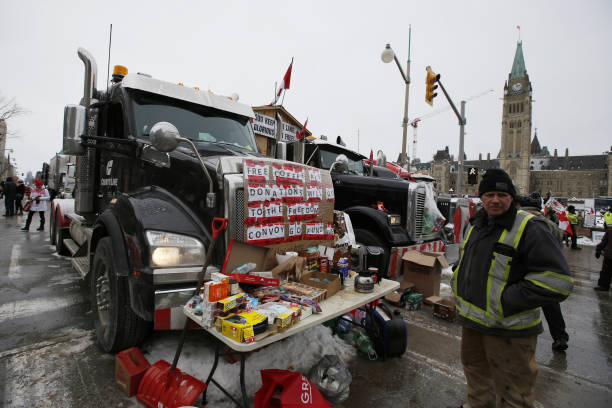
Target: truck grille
x: 237, y: 228
x: 420, y: 205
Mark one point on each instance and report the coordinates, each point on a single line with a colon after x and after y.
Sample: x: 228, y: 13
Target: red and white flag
x: 285, y: 84
x: 300, y: 135
x: 559, y: 209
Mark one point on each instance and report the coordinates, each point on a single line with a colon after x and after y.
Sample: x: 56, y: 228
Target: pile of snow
x: 297, y: 353
x: 585, y: 241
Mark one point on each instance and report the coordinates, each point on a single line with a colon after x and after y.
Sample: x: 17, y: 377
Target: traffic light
x: 431, y: 86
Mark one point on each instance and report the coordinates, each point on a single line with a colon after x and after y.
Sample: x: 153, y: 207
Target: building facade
x: 531, y: 167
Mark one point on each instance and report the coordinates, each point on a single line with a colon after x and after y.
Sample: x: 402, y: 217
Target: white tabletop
x: 340, y: 303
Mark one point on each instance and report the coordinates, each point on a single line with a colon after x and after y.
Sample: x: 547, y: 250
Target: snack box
x: 317, y: 294
x: 243, y: 327
x: 214, y: 291
x: 230, y: 302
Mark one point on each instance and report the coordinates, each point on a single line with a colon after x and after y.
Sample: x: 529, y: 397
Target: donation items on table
x: 255, y: 295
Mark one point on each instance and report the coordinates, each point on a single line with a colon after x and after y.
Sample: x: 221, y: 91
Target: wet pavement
x: 48, y: 356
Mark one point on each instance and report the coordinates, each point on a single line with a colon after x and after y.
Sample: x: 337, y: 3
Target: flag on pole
x: 371, y: 155
x: 285, y: 84
x: 559, y: 209
x: 300, y: 135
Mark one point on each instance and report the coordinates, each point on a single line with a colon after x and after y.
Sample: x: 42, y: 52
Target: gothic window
x: 520, y: 123
x: 521, y: 106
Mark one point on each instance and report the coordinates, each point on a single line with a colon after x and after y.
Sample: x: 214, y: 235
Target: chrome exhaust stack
x: 91, y: 76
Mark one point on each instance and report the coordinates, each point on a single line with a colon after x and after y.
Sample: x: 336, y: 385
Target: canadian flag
x: 300, y: 135
x: 559, y: 209
x: 285, y: 84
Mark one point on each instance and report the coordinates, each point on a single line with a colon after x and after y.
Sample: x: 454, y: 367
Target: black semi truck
x: 155, y: 163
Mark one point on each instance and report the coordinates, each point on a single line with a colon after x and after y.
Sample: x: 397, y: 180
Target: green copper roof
x: 518, y: 67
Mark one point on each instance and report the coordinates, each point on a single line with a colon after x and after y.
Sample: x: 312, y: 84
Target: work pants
x: 31, y: 215
x: 574, y: 236
x: 9, y: 203
x: 605, y: 274
x: 556, y: 323
x: 499, y: 369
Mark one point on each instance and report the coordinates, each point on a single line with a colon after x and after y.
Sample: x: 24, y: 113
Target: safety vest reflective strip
x: 608, y: 218
x: 493, y: 316
x: 552, y: 281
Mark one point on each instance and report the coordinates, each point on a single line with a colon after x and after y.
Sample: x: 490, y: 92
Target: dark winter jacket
x: 538, y: 275
x: 605, y: 246
x: 10, y: 189
x: 21, y: 190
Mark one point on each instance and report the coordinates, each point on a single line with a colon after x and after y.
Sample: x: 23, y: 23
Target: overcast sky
x: 339, y: 81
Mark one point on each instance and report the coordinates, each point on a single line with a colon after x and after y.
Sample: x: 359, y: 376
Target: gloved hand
x: 597, y: 253
x: 37, y: 200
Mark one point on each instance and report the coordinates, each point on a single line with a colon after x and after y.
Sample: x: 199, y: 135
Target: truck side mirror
x: 164, y: 136
x: 340, y: 165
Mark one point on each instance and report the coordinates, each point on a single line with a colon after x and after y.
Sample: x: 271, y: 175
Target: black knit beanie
x: 496, y: 180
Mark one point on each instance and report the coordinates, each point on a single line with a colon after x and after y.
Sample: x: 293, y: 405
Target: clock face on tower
x: 517, y: 87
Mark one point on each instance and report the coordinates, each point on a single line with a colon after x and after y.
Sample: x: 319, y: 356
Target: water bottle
x: 342, y: 326
x: 364, y: 344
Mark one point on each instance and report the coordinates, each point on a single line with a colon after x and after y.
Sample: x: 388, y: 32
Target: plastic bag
x: 282, y: 388
x: 332, y: 378
x: 433, y: 220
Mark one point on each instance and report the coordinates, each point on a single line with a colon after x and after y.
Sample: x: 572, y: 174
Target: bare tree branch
x: 9, y: 109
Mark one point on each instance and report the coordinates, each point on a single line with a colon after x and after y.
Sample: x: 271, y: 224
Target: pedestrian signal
x: 431, y: 86
x: 473, y: 175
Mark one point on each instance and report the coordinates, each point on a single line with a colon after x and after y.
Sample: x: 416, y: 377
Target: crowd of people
x: 19, y: 198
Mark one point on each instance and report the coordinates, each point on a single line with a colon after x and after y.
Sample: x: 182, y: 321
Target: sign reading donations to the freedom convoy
x: 286, y: 203
x: 264, y: 125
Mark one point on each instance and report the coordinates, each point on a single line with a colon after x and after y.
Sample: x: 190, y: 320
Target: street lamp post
x: 387, y: 56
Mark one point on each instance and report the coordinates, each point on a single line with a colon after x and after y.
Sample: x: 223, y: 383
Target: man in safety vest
x: 510, y: 266
x: 573, y: 220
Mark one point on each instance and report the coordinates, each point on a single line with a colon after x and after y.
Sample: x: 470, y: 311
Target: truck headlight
x: 393, y: 219
x: 168, y: 249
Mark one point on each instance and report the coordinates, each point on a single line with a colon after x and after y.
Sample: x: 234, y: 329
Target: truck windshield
x: 355, y: 165
x: 201, y: 124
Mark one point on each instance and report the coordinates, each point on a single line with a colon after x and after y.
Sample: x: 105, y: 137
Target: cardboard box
x: 332, y: 287
x: 242, y: 327
x: 445, y: 309
x: 239, y: 253
x: 424, y: 269
x: 398, y: 296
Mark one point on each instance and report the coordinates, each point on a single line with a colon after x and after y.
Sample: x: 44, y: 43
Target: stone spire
x: 535, y: 144
x: 518, y: 66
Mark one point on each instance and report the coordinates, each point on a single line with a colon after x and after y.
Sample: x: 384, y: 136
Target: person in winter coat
x: 19, y: 197
x: 10, y: 191
x: 605, y: 246
x: 510, y: 266
x: 39, y: 197
x: 552, y: 312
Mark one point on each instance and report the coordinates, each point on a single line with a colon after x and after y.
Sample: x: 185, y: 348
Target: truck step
x: 81, y: 264
x: 72, y: 246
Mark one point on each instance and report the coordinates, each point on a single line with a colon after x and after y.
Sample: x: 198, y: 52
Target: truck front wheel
x: 117, y: 326
x: 369, y: 238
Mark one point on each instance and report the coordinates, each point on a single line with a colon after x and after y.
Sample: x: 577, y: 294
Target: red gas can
x: 130, y: 366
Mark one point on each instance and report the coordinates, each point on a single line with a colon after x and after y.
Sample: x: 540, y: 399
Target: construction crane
x: 415, y: 122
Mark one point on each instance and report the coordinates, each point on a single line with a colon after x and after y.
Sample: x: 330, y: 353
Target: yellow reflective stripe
x: 521, y: 229
x: 506, y: 273
x: 518, y: 321
x: 455, y: 273
x: 492, y: 275
x: 552, y: 281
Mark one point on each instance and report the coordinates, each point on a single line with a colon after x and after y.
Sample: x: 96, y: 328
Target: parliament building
x: 531, y: 166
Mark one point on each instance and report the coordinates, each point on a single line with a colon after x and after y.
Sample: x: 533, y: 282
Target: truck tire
x: 367, y: 237
x: 52, y: 226
x: 117, y: 326
x: 59, y: 234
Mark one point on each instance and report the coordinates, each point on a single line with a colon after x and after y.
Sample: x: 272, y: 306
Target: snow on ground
x: 298, y: 353
x: 585, y: 241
